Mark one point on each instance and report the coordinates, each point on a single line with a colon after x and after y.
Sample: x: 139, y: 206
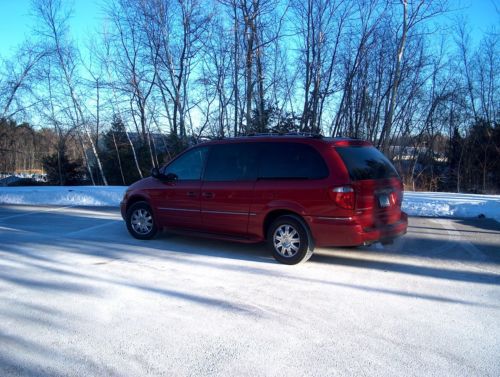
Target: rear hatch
x: 377, y: 185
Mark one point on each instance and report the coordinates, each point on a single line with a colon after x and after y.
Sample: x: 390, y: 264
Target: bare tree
x: 16, y: 87
x: 321, y: 25
x: 412, y: 14
x: 53, y: 26
x: 104, y: 55
x: 135, y: 77
x: 173, y: 37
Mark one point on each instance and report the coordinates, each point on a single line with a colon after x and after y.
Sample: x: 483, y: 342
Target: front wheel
x: 289, y: 240
x: 140, y: 221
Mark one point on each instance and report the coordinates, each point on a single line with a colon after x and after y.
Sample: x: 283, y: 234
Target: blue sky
x: 87, y: 16
x: 17, y: 21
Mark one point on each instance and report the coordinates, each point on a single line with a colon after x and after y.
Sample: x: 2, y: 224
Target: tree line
x: 161, y: 75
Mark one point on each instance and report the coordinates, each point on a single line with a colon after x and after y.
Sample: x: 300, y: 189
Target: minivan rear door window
x: 291, y: 161
x: 365, y: 163
x: 232, y: 162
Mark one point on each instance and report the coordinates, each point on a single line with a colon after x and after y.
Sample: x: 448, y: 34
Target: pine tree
x: 71, y: 172
x: 118, y: 160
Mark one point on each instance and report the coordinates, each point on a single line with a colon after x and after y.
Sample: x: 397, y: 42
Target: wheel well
x: 133, y: 200
x: 271, y: 216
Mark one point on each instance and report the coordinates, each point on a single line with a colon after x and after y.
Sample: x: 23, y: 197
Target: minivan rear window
x: 366, y: 163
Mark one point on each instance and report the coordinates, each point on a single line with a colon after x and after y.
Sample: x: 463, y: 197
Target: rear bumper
x: 348, y: 232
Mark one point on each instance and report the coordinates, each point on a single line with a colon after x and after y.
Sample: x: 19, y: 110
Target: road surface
x: 79, y: 297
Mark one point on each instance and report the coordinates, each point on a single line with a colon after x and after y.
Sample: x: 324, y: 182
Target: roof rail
x: 305, y: 134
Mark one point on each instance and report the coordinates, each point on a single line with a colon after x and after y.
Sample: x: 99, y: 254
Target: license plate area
x: 384, y: 201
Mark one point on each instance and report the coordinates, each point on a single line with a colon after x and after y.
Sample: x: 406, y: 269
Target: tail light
x: 393, y: 197
x: 396, y: 197
x: 343, y: 197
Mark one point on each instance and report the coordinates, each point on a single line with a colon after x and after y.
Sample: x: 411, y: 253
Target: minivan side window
x: 291, y: 160
x: 232, y: 162
x: 188, y: 166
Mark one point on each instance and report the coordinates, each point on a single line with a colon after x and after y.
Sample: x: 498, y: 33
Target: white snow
x: 433, y: 204
x: 447, y: 204
x: 81, y: 297
x: 63, y: 195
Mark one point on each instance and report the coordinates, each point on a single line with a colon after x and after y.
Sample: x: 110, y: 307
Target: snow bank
x: 63, y: 195
x: 446, y: 204
x: 434, y: 204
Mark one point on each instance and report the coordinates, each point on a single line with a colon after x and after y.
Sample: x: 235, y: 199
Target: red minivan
x: 295, y: 192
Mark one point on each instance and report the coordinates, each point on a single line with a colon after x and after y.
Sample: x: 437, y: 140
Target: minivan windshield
x: 364, y: 162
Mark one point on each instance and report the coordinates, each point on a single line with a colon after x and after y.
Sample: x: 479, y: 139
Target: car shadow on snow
x: 469, y: 276
x: 478, y: 225
x: 185, y: 250
x: 488, y: 225
x: 64, y: 278
x: 108, y: 240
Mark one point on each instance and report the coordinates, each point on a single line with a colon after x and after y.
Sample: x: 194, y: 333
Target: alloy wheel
x: 142, y: 221
x: 286, y: 240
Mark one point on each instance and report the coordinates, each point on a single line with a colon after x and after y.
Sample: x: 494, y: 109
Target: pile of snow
x: 434, y: 204
x: 447, y: 204
x: 63, y: 195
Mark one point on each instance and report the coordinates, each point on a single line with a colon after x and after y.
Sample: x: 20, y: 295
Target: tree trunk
x: 386, y: 131
x: 119, y: 160
x: 236, y: 69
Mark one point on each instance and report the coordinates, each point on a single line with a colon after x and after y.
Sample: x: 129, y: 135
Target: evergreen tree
x: 482, y: 155
x: 496, y: 157
x: 118, y: 159
x: 71, y: 172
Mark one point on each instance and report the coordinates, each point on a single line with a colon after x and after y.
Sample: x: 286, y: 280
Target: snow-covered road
x: 79, y: 296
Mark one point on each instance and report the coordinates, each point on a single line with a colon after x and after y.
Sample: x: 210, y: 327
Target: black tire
x: 140, y: 221
x: 289, y: 240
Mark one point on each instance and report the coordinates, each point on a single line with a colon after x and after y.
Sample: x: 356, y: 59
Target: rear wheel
x: 140, y: 221
x: 289, y: 240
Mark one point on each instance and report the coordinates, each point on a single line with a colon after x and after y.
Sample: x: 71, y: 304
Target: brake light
x: 396, y: 197
x: 393, y: 197
x: 343, y: 197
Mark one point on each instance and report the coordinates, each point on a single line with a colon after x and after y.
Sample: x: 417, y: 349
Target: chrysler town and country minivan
x: 295, y: 192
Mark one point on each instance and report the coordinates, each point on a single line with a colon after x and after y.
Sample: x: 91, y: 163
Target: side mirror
x: 169, y: 178
x: 155, y: 173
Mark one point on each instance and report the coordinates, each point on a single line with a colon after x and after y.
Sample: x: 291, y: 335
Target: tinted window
x: 232, y: 162
x: 291, y: 160
x: 366, y: 163
x: 189, y: 165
